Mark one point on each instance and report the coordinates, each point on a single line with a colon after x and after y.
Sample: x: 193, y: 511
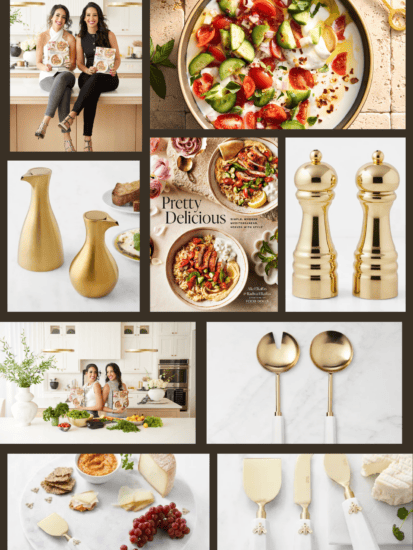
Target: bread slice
x: 125, y: 193
x: 136, y: 206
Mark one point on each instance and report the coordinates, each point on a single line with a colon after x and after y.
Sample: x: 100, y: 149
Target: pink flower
x: 156, y: 188
x: 160, y: 168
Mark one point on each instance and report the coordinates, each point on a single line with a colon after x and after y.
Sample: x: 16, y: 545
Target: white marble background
x: 75, y: 188
x: 367, y: 400
x: 22, y: 467
x: 236, y: 511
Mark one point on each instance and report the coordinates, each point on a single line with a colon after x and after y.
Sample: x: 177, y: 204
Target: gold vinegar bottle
x: 375, y: 268
x: 40, y: 246
x: 315, y: 265
x: 94, y: 272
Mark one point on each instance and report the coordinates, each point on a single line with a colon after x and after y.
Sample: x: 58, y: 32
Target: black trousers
x: 91, y: 86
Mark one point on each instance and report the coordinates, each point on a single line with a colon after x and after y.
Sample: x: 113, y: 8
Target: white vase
x: 30, y: 57
x: 24, y: 410
x: 156, y: 394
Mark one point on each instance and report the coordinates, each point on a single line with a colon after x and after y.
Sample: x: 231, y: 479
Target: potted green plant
x: 54, y: 414
x: 28, y: 373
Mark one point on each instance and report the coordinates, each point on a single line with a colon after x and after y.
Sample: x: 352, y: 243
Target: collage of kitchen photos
x: 262, y: 339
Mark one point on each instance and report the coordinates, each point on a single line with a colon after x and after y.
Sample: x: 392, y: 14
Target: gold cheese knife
x: 302, y: 496
x: 361, y: 534
x: 56, y: 526
x: 262, y: 483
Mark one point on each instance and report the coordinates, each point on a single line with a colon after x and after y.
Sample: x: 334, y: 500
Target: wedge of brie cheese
x: 133, y: 500
x: 394, y: 484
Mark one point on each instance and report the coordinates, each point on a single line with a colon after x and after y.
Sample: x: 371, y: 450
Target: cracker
x: 52, y: 490
x: 66, y: 486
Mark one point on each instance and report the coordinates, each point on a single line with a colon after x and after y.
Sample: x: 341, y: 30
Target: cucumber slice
x: 246, y: 51
x: 292, y: 125
x: 266, y: 97
x: 229, y: 6
x: 223, y: 103
x: 315, y: 35
x: 294, y: 97
x: 225, y: 39
x: 258, y: 34
x: 302, y: 17
x: 199, y: 62
x: 230, y: 66
x: 237, y: 36
x: 285, y: 36
x: 299, y: 5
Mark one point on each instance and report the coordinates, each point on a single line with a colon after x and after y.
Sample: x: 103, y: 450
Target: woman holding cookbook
x: 97, y: 77
x: 56, y: 60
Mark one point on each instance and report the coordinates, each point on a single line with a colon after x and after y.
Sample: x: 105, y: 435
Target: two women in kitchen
x: 113, y: 398
x: 93, y: 32
x: 59, y: 83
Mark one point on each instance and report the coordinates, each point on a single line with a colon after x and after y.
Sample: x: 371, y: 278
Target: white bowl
x: 97, y: 480
x: 259, y: 266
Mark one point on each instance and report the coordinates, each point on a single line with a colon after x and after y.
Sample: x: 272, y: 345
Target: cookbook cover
x: 214, y: 224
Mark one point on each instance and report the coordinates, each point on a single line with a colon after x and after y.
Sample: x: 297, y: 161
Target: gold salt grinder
x: 314, y: 267
x: 94, y: 271
x: 40, y: 246
x: 375, y: 268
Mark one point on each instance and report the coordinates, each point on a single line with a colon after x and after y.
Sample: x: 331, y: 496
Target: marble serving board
x: 88, y: 527
x: 200, y: 172
x: 380, y: 515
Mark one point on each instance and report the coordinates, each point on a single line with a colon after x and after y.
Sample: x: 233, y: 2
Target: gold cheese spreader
x: 55, y: 526
x: 262, y: 483
x: 361, y: 534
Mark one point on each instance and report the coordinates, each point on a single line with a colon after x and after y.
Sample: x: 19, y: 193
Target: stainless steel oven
x: 178, y: 396
x: 177, y: 370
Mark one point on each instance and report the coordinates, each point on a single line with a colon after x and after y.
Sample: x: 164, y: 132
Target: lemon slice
x: 259, y: 200
x: 330, y: 38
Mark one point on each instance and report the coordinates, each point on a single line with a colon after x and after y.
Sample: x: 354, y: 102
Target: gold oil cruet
x: 40, y: 246
x: 375, y: 266
x: 94, y: 272
x: 315, y: 265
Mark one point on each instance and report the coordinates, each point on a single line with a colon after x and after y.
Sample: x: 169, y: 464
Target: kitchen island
x: 174, y: 430
x: 118, y: 124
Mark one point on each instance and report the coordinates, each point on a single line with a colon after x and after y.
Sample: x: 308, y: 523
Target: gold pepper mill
x: 375, y: 268
x: 40, y: 246
x: 314, y: 267
x: 94, y: 272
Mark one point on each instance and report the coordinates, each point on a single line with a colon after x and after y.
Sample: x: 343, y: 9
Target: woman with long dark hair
x: 115, y: 392
x: 93, y: 32
x: 92, y: 391
x: 59, y: 84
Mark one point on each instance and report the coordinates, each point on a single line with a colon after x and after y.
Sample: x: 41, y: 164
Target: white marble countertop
x: 22, y: 89
x: 236, y: 511
x: 187, y: 464
x: 174, y: 430
x: 345, y: 301
x: 75, y: 188
x: 132, y: 66
x: 367, y: 400
x: 134, y: 399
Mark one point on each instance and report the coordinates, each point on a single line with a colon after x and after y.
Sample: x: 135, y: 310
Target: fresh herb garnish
x: 159, y: 57
x: 193, y: 78
x: 281, y: 94
x: 137, y: 241
x: 124, y: 426
x: 403, y: 514
x: 271, y: 260
x: 266, y: 68
x: 282, y: 67
x: 318, y: 6
x: 126, y: 463
x: 238, y: 166
x: 269, y: 170
x: 61, y: 409
x: 237, y: 110
x: 311, y: 120
x: 323, y: 69
x: 154, y: 422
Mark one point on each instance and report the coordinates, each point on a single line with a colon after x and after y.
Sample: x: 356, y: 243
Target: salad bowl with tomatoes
x: 275, y: 64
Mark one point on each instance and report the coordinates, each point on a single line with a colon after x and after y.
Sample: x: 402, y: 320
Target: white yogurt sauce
x: 316, y: 58
x: 225, y: 251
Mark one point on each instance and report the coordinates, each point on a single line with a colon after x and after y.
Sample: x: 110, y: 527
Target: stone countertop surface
x: 126, y: 67
x: 23, y: 90
x: 257, y: 296
x: 385, y: 107
x: 76, y: 187
x: 195, y: 470
x: 134, y: 399
x: 174, y: 430
x: 367, y: 398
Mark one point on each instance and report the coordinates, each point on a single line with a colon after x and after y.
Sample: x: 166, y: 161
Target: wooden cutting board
x: 200, y: 171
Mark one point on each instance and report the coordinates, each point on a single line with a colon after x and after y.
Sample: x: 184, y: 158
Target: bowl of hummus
x: 275, y: 64
x: 56, y: 60
x: 243, y: 176
x: 206, y: 268
x: 97, y: 468
x: 101, y: 66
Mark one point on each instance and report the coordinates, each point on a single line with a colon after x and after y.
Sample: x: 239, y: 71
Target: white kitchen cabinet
x: 125, y: 20
x: 63, y: 336
x: 137, y: 336
x: 33, y: 21
x: 170, y: 329
x: 100, y: 341
x: 174, y: 347
x: 75, y: 7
